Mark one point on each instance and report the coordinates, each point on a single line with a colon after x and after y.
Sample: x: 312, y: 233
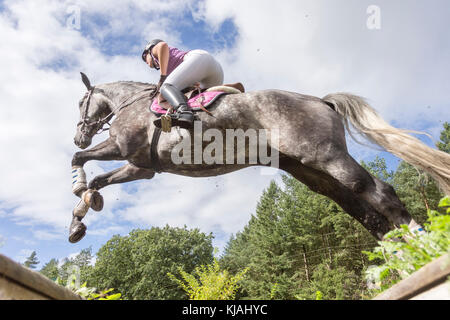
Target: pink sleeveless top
x: 175, y: 59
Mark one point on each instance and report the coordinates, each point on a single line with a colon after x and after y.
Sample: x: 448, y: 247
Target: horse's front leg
x: 127, y: 173
x: 107, y: 150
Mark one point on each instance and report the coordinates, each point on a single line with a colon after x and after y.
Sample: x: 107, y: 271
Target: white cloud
x: 27, y: 241
x: 46, y: 235
x: 220, y: 204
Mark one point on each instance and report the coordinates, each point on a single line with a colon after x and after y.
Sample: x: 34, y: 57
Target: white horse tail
x: 396, y: 141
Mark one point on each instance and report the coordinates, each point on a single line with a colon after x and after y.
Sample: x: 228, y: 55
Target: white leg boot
x: 83, y: 205
x: 79, y: 183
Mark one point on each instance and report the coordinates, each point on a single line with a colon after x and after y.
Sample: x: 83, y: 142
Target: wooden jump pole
x: 20, y: 283
x: 428, y: 283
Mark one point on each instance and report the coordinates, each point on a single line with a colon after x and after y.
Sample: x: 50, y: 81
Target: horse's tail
x: 396, y: 141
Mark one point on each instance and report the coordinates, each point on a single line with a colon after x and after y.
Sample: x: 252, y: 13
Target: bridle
x: 86, y: 124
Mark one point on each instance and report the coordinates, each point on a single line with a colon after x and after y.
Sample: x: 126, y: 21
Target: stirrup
x: 166, y: 121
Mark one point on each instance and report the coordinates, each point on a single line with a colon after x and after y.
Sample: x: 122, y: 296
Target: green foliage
x: 417, y: 191
x: 337, y: 283
x: 209, y: 282
x: 444, y: 203
x: 319, y: 295
x: 273, y: 291
x: 90, y: 293
x: 378, y: 168
x: 32, y: 261
x: 444, y: 144
x: 402, y: 258
x: 138, y: 264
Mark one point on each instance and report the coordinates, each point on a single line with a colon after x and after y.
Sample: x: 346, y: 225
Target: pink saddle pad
x: 204, y: 99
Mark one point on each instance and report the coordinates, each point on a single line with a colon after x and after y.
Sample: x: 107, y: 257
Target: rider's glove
x: 161, y: 81
x: 158, y: 86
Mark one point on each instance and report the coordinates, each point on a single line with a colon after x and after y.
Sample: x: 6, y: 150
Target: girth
x: 155, y: 163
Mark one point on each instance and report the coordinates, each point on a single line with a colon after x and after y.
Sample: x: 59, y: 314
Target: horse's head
x: 94, y: 107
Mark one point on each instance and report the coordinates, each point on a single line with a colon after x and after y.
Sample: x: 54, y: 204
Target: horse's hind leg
x: 127, y: 173
x: 380, y: 195
x: 322, y: 183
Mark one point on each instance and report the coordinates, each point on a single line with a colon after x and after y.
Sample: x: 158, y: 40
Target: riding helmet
x: 149, y: 47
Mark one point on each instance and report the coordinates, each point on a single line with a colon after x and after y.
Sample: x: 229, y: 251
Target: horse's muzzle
x: 82, y: 141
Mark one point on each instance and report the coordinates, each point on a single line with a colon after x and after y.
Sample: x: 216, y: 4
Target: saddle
x: 199, y: 99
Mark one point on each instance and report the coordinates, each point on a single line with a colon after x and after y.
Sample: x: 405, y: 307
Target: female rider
x: 179, y: 70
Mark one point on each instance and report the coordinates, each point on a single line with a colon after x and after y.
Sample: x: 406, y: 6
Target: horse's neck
x: 119, y: 92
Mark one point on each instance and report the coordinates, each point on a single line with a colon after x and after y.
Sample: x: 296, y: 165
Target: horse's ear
x: 86, y: 81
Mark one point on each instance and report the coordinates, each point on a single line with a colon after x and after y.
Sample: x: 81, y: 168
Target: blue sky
x: 311, y: 47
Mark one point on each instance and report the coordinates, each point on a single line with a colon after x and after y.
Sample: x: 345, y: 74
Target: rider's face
x: 149, y: 61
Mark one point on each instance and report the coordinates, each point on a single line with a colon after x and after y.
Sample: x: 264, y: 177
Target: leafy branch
x: 402, y: 258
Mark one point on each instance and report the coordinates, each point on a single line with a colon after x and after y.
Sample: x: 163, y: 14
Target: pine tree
x: 50, y: 269
x: 444, y: 144
x: 32, y: 261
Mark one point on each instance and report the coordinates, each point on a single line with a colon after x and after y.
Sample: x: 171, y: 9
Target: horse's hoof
x: 94, y: 199
x: 77, y: 231
x: 97, y: 201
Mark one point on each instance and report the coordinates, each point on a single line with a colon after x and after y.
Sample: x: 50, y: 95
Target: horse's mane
x: 128, y: 82
x: 106, y: 87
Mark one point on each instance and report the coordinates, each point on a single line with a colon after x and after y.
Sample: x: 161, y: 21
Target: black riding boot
x: 184, y: 117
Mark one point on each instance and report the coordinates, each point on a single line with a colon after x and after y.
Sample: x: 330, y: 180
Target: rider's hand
x: 162, y: 78
x: 160, y: 82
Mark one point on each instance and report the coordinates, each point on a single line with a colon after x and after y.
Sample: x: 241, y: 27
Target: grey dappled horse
x: 312, y: 146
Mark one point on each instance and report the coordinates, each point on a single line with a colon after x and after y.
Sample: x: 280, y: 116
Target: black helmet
x: 149, y: 47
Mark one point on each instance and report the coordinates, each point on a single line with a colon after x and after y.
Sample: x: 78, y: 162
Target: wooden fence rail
x: 428, y: 283
x: 20, y: 283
